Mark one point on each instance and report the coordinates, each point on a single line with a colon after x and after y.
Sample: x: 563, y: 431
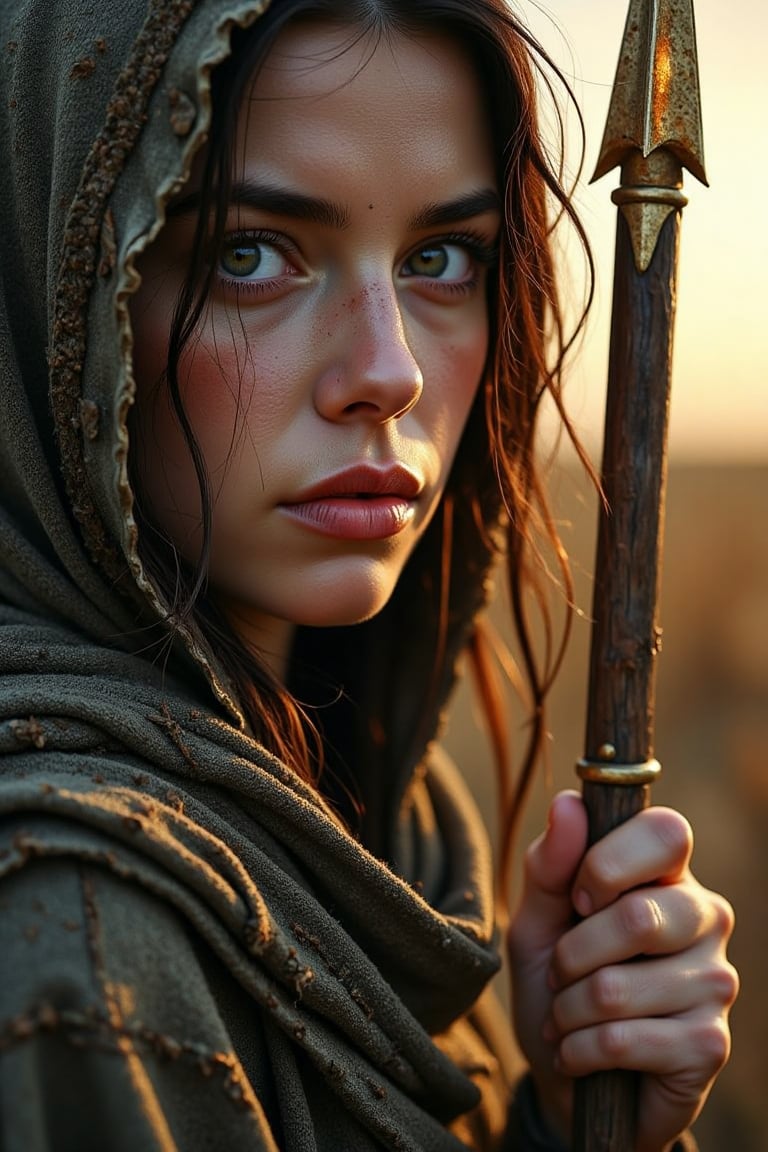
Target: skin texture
x: 354, y: 344
x: 362, y: 341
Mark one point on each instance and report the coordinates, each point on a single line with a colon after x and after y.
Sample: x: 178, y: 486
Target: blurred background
x: 712, y: 707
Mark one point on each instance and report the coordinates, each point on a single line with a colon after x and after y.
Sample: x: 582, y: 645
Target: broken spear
x: 653, y: 131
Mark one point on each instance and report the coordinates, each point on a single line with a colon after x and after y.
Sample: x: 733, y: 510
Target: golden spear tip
x: 656, y: 100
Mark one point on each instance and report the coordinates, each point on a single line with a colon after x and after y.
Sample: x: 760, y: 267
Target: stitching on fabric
x: 343, y: 974
x: 166, y: 723
x: 94, y: 1029
x: 125, y: 119
x: 130, y: 1039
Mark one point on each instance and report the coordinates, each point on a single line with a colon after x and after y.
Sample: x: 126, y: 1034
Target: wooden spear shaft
x: 653, y: 130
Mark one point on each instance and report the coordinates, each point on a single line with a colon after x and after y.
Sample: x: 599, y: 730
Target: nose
x: 373, y: 375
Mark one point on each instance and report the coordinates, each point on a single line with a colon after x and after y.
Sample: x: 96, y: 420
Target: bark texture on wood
x: 626, y: 637
x: 605, y: 1112
x: 625, y: 633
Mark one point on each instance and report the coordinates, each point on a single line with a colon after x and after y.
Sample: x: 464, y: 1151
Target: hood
x: 102, y: 113
x: 106, y: 754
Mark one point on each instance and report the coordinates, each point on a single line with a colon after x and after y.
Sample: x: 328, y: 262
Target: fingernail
x: 582, y: 902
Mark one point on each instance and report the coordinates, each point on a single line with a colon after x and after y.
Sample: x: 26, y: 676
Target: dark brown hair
x: 496, y: 497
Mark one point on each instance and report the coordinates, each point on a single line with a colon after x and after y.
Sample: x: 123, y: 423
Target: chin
x: 350, y: 598
x: 335, y: 595
x: 341, y: 615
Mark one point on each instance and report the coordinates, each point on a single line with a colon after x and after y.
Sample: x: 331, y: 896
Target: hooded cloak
x: 196, y: 954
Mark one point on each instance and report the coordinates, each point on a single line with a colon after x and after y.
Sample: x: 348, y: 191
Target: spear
x: 653, y: 131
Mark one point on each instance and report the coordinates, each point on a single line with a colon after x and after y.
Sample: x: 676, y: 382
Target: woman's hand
x: 579, y: 1009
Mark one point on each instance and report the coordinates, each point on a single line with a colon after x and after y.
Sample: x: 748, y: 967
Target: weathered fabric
x: 195, y: 954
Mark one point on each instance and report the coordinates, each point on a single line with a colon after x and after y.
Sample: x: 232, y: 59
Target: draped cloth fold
x: 159, y: 859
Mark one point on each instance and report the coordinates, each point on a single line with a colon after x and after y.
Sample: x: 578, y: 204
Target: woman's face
x: 342, y: 346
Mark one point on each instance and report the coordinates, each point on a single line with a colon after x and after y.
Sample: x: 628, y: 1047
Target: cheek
x: 238, y: 383
x: 212, y: 395
x: 220, y: 386
x: 207, y: 378
x: 467, y: 360
x: 458, y: 369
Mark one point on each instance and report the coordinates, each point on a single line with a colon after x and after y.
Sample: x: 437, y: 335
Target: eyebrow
x: 464, y: 207
x: 272, y: 198
x: 281, y: 201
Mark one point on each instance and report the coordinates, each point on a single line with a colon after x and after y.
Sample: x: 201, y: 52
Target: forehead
x: 331, y: 97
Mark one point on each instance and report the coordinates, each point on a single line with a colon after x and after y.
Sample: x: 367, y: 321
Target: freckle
x: 370, y: 207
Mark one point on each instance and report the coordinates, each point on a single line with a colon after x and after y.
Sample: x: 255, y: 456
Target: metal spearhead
x: 654, y: 127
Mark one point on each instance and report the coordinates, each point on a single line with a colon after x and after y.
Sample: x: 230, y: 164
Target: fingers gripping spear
x: 653, y: 131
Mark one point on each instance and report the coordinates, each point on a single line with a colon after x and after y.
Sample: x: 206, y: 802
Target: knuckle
x: 674, y: 831
x: 614, y: 1043
x: 725, y: 917
x: 714, y: 1046
x: 609, y: 991
x: 641, y: 917
x: 603, y: 870
x: 725, y: 982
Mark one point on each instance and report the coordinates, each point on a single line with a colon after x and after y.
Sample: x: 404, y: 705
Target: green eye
x: 429, y: 262
x: 241, y: 259
x: 443, y: 262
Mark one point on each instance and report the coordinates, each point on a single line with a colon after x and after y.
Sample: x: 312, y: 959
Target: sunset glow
x: 720, y: 385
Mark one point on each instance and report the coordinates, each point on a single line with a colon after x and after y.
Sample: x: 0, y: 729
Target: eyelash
x: 277, y: 241
x: 481, y: 253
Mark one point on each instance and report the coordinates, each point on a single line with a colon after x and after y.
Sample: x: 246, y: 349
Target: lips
x: 361, y: 503
x: 364, y: 482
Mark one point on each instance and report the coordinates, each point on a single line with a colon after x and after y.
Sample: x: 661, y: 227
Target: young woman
x: 278, y: 309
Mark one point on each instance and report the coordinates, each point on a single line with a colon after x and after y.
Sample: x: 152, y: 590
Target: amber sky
x: 720, y: 388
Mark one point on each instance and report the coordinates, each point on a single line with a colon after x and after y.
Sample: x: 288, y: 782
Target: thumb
x: 546, y: 909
